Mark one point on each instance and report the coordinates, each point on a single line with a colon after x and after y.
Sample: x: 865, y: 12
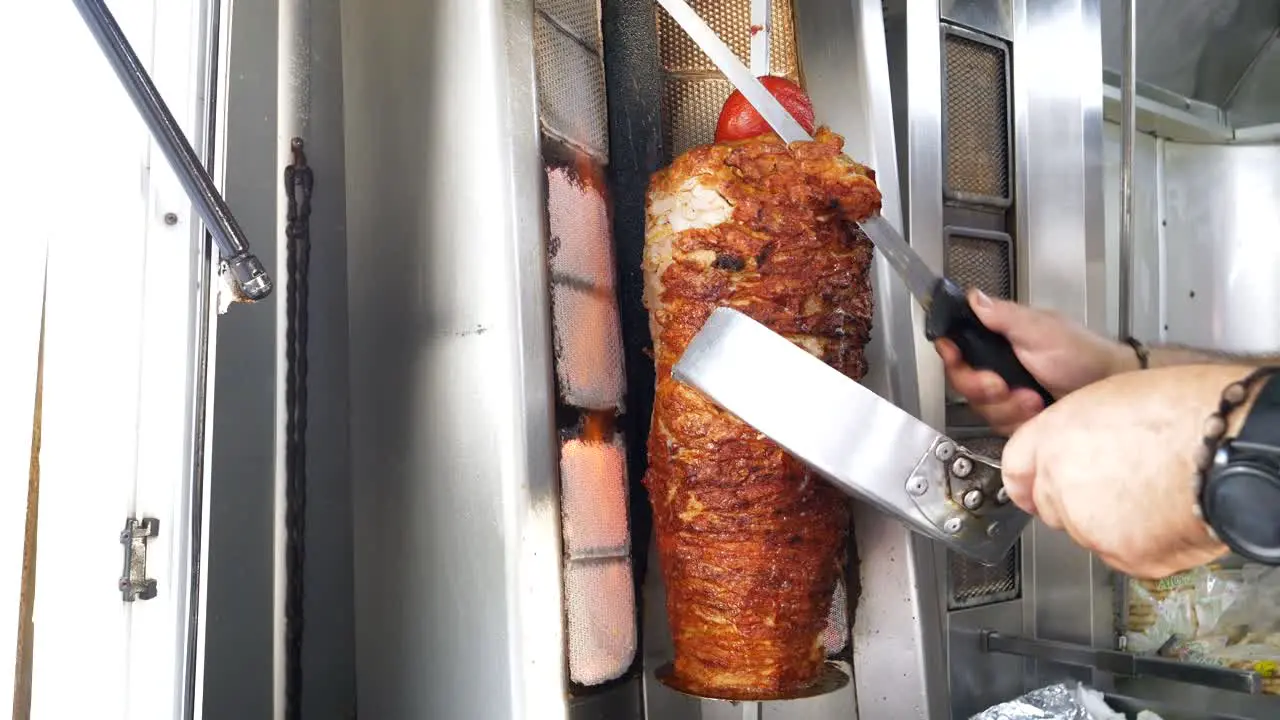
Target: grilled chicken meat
x: 750, y: 543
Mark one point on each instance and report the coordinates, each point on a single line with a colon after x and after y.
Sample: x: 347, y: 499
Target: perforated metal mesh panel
x: 593, y: 491
x: 584, y: 307
x: 571, y: 95
x: 977, y: 120
x: 836, y: 635
x: 599, y: 592
x: 599, y: 587
x: 979, y: 259
x: 581, y: 18
x: 691, y: 109
x: 731, y: 19
x: 970, y: 583
x: 600, y: 619
x: 695, y: 90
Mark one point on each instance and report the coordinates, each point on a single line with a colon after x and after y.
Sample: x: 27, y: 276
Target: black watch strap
x: 1262, y: 426
x: 1241, y: 494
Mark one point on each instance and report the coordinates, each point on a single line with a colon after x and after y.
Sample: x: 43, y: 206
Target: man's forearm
x: 1172, y: 355
x: 1126, y: 358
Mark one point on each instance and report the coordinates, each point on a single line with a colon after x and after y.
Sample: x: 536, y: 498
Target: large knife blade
x: 947, y: 311
x: 850, y: 436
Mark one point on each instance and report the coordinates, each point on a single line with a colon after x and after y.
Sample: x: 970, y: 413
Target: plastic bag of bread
x: 1162, y: 609
x: 1241, y: 606
x: 1238, y: 614
x: 1216, y: 594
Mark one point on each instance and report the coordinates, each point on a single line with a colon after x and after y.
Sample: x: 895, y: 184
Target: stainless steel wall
x: 1222, y: 246
x: 1205, y: 258
x: 457, y: 545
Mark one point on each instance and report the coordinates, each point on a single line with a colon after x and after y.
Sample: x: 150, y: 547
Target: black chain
x: 297, y: 188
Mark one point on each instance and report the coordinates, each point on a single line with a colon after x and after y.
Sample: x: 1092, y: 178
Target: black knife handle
x: 951, y: 317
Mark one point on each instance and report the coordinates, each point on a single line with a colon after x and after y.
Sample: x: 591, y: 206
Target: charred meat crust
x: 750, y: 544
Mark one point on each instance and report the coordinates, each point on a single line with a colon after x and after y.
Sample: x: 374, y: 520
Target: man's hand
x: 1062, y: 355
x: 1112, y: 465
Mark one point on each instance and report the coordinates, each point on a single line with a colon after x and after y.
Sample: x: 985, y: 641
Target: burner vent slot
x: 976, y: 119
x: 972, y: 584
x: 570, y: 72
x: 599, y: 588
x: 980, y: 259
x: 586, y: 330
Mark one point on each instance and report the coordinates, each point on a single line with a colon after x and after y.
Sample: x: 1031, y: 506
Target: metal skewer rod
x: 761, y: 36
x: 1128, y: 122
x: 245, y: 267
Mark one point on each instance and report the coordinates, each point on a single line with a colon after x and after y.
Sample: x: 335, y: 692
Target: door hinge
x: 134, y: 583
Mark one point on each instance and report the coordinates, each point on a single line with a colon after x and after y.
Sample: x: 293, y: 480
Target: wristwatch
x: 1240, y: 491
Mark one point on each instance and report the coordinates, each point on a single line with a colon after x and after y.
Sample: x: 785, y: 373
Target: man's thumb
x: 1018, y: 466
x: 999, y: 316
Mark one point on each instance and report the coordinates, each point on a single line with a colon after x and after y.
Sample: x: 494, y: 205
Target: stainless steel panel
x: 979, y: 680
x: 1061, y: 251
x: 1147, y: 234
x: 914, y: 31
x: 1199, y: 49
x: 898, y: 664
x: 1221, y: 254
x: 1255, y: 100
x: 993, y: 17
x: 457, y: 538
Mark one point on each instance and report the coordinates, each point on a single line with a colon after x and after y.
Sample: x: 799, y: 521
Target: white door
x: 123, y: 384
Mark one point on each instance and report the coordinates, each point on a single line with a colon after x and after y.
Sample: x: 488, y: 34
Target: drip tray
x: 831, y: 680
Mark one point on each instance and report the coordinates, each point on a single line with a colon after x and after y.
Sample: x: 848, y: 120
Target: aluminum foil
x: 1056, y: 702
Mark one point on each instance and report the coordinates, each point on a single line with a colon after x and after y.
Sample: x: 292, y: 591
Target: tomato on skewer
x: 739, y: 120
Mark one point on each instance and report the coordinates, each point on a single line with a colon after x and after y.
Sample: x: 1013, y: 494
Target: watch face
x: 1242, y: 503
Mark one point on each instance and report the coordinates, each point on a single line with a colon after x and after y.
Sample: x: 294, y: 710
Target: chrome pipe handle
x: 1123, y: 663
x: 250, y: 275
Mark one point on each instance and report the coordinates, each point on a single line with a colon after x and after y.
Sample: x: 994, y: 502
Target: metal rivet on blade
x: 994, y: 529
x: 952, y: 526
x: 917, y: 486
x: 962, y: 467
x: 1002, y: 495
x: 973, y: 499
x: 945, y: 451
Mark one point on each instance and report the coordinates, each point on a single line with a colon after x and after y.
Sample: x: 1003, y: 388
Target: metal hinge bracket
x: 134, y: 583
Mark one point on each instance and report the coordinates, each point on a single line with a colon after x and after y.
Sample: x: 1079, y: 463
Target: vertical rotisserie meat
x: 750, y: 543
